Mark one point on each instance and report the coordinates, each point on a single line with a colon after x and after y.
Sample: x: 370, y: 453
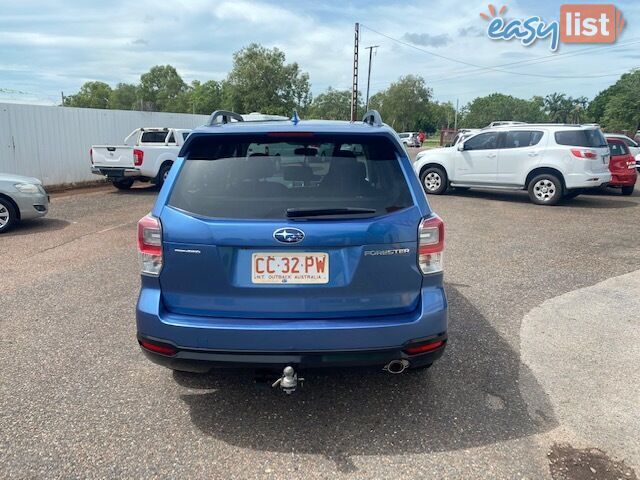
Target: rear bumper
x: 114, y: 172
x: 586, y: 179
x: 202, y: 361
x: 623, y: 180
x: 274, y: 342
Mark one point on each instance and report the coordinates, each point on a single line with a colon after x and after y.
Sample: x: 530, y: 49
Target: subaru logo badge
x: 288, y: 235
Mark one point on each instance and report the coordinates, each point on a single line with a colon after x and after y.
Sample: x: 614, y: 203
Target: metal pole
x: 455, y: 123
x: 366, y: 108
x: 354, y: 89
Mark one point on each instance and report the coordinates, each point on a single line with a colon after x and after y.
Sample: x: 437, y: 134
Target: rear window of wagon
x: 261, y: 176
x: 581, y: 138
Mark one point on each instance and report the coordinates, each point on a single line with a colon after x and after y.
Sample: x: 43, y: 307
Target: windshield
x: 269, y: 177
x: 581, y: 138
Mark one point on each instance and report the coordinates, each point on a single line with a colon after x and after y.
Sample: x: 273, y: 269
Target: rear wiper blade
x: 321, y: 212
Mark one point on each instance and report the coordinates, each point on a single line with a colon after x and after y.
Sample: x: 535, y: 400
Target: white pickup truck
x: 147, y: 155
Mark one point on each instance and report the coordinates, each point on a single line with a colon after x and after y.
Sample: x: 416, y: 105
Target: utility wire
x: 485, y: 67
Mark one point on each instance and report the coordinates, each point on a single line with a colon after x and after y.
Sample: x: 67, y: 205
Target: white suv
x: 548, y: 160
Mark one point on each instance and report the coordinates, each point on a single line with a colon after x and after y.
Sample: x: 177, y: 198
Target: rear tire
x: 123, y: 183
x: 162, y: 174
x: 8, y: 215
x: 434, y: 180
x: 545, y: 189
x: 627, y: 190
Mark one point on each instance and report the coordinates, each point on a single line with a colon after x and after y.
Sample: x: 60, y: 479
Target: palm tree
x: 557, y: 107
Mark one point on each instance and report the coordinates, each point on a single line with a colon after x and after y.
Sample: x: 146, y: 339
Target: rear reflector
x: 150, y: 245
x: 157, y: 348
x: 431, y: 245
x: 427, y: 347
x: 583, y: 153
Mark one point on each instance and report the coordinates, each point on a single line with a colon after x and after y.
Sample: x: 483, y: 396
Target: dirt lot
x: 79, y: 400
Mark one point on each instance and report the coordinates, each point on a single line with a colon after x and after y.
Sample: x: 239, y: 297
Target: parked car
x: 410, y: 139
x: 548, y: 160
x: 21, y: 198
x: 147, y: 155
x: 463, y: 134
x: 622, y: 166
x: 634, y: 147
x: 257, y: 261
x: 501, y: 123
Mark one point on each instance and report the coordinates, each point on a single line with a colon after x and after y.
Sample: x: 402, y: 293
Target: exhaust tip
x: 396, y: 366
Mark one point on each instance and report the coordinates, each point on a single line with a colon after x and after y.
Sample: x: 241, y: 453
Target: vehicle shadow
x: 142, y: 189
x: 470, y: 398
x: 36, y: 225
x: 591, y: 199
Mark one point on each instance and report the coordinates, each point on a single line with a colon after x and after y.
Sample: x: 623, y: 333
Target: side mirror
x: 460, y: 146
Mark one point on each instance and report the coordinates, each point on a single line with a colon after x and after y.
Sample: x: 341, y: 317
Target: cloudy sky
x: 53, y: 46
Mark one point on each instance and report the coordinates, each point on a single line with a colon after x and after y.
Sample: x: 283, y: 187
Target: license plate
x: 295, y: 268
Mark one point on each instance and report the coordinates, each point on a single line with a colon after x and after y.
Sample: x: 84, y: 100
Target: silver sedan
x: 21, y: 198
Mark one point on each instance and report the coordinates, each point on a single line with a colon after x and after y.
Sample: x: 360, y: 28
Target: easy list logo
x: 579, y: 23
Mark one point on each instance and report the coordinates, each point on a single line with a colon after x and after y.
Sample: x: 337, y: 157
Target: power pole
x: 354, y: 90
x: 366, y: 108
x: 455, y: 122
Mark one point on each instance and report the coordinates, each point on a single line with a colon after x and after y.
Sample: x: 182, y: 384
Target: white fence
x: 52, y: 143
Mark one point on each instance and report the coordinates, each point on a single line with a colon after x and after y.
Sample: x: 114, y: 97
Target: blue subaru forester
x: 292, y: 245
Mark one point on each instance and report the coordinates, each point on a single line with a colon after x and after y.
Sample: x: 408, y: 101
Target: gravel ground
x: 79, y: 400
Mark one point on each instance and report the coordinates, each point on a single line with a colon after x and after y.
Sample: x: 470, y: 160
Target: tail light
x: 431, y: 245
x: 584, y: 153
x: 138, y: 157
x: 150, y: 245
x: 91, y: 155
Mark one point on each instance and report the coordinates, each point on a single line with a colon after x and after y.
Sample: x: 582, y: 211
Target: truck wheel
x: 123, y: 183
x: 627, y: 190
x: 8, y: 215
x: 545, y: 189
x: 162, y: 174
x: 434, y: 180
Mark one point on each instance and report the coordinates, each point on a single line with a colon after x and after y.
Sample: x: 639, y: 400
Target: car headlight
x: 27, y: 187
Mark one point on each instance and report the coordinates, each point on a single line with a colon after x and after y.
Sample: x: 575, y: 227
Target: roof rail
x: 373, y: 118
x: 226, y: 117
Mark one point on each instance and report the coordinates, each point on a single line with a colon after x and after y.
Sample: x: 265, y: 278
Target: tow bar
x: 288, y: 382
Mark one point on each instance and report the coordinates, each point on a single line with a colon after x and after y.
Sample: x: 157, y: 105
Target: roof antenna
x: 295, y: 118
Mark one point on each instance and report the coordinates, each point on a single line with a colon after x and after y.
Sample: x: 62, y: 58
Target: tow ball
x: 288, y: 382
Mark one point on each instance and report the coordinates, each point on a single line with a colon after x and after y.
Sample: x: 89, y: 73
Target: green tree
x: 404, y: 105
x: 439, y: 115
x: 124, y: 97
x: 261, y: 81
x: 483, y: 110
x: 204, y: 98
x: 558, y: 107
x: 163, y: 90
x: 334, y: 105
x: 622, y: 111
x: 91, y: 95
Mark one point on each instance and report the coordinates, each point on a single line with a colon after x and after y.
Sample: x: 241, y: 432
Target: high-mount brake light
x: 290, y: 134
x: 431, y: 245
x: 150, y: 245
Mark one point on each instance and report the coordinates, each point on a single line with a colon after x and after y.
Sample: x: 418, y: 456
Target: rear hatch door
x: 264, y: 227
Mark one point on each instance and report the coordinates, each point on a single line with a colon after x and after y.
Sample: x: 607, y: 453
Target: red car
x: 622, y: 166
